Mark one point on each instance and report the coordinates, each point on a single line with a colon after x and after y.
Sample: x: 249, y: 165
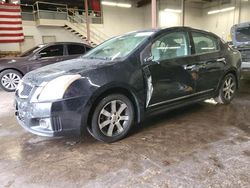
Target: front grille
x: 24, y: 90
x: 56, y: 123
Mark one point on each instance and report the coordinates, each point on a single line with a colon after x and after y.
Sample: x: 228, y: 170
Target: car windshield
x: 32, y: 50
x: 243, y: 34
x: 118, y: 47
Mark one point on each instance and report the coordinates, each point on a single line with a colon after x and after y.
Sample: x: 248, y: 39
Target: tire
x: 112, y: 119
x: 9, y: 80
x: 227, y: 89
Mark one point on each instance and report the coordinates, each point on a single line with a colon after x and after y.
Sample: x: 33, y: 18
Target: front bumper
x: 64, y: 117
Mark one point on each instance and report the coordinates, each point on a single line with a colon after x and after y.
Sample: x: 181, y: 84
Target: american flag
x: 10, y: 23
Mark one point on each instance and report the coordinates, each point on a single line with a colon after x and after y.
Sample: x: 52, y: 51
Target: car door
x: 75, y: 50
x: 170, y: 75
x: 48, y: 55
x: 210, y: 60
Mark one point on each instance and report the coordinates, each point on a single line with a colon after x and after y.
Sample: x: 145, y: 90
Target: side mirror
x: 35, y: 57
x: 38, y: 56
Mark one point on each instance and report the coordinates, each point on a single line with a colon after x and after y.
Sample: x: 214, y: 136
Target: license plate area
x: 20, y: 114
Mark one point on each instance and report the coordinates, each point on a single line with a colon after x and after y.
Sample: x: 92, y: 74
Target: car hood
x: 74, y: 66
x: 11, y: 60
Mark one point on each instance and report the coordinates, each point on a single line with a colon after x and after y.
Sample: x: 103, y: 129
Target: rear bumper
x: 245, y: 66
x: 60, y: 118
x: 245, y: 70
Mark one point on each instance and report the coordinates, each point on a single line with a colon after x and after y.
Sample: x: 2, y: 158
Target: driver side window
x: 171, y: 45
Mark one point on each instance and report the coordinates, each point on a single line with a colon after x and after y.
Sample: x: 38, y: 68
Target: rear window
x: 74, y: 49
x: 243, y: 34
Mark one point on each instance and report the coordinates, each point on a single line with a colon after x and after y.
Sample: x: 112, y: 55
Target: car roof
x: 159, y: 30
x: 55, y: 43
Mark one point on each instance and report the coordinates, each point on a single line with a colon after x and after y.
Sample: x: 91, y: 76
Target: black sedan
x: 125, y: 79
x: 13, y: 69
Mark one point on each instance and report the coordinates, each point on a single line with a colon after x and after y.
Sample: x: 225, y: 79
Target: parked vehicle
x: 125, y: 79
x: 13, y: 69
x: 241, y: 41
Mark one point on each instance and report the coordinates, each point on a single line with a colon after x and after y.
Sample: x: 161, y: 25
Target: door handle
x: 189, y: 67
x: 221, y: 60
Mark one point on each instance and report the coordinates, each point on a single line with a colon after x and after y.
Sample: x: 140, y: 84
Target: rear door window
x: 205, y: 43
x: 74, y: 49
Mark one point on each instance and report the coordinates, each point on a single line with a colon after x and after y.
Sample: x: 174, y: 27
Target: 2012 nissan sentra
x: 125, y: 79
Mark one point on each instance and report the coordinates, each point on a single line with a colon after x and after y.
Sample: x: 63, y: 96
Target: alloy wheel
x: 10, y: 81
x: 229, y: 88
x: 113, y: 118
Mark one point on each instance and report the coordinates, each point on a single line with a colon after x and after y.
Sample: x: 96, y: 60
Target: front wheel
x: 112, y: 118
x: 227, y: 89
x: 9, y: 80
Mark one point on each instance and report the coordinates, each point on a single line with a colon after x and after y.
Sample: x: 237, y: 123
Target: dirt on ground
x: 202, y: 145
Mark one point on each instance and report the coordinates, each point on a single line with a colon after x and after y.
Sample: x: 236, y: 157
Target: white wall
x: 30, y: 29
x: 193, y: 14
x: 121, y: 20
x: 118, y: 20
x: 193, y: 17
x: 221, y: 23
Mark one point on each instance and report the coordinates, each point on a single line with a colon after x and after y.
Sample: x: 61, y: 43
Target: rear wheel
x: 227, y: 90
x: 112, y: 118
x: 9, y: 80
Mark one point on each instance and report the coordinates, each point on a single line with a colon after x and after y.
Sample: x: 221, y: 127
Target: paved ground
x: 203, y: 145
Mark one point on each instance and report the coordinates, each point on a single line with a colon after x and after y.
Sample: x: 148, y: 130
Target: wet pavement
x: 203, y: 145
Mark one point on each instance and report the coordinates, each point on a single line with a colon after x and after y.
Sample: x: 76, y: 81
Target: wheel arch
x: 230, y: 71
x: 234, y: 72
x: 114, y: 90
x: 15, y: 69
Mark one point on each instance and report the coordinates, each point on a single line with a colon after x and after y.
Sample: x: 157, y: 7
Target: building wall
x: 193, y: 14
x: 221, y: 23
x: 30, y: 29
x: 118, y: 21
x: 193, y: 17
x: 121, y: 20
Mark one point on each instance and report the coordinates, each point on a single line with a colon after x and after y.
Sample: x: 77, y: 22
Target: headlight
x: 56, y: 88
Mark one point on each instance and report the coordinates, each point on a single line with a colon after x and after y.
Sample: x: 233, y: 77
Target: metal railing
x: 56, y: 11
x: 79, y: 21
x: 95, y: 17
x: 27, y: 12
x: 45, y: 10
